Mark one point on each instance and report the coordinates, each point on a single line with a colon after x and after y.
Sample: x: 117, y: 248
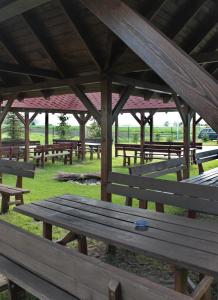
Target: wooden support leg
x: 67, y: 239
x: 128, y: 201
x: 159, y: 207
x: 5, y: 203
x: 114, y: 290
x: 15, y: 292
x: 143, y: 204
x: 203, y: 289
x: 192, y: 214
x: 82, y: 244
x: 47, y: 231
x: 181, y: 280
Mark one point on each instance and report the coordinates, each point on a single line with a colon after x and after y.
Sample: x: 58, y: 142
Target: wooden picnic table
x: 185, y: 243
x: 207, y: 178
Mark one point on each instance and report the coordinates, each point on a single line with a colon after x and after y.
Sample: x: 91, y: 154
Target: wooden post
x: 27, y: 136
x: 46, y: 128
x: 186, y: 140
x: 151, y: 128
x: 186, y: 114
x: 82, y: 133
x: 106, y: 136
x: 116, y: 135
x: 142, y: 137
x: 194, y: 129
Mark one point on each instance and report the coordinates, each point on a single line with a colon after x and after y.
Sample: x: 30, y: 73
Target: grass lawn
x: 44, y: 186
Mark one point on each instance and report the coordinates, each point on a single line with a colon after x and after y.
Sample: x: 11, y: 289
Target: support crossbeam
x: 195, y: 86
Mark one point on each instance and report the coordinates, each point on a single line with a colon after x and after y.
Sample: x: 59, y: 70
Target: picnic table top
x: 188, y: 243
x: 207, y: 178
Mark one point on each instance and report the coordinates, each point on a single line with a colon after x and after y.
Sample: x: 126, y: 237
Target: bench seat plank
x: 32, y: 283
x: 12, y: 190
x: 79, y: 275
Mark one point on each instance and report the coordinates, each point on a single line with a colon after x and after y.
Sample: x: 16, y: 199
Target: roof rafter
x: 39, y: 32
x: 117, y: 47
x: 26, y: 70
x: 18, y: 7
x: 183, y: 16
x: 12, y: 50
x: 81, y: 31
x: 195, y: 86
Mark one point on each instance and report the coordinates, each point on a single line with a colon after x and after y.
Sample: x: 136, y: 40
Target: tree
x: 13, y: 127
x: 94, y: 129
x: 63, y: 129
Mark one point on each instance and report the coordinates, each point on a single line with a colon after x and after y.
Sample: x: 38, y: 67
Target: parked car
x: 209, y: 133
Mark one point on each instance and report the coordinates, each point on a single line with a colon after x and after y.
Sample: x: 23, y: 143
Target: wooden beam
x: 81, y: 31
x: 136, y: 117
x: 39, y: 32
x: 185, y: 14
x: 6, y: 109
x: 121, y: 102
x: 27, y: 137
x: 106, y: 134
x: 20, y: 117
x: 149, y: 10
x: 26, y: 70
x: 46, y: 128
x: 52, y: 84
x: 33, y: 117
x: 178, y: 70
x: 206, y: 57
x: 86, y: 102
x: 18, y: 7
x: 141, y: 84
x: 186, y: 114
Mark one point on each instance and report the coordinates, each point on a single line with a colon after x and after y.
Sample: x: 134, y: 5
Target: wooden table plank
x: 163, y: 226
x: 180, y: 255
x: 204, y: 178
x: 140, y: 213
x: 172, y: 238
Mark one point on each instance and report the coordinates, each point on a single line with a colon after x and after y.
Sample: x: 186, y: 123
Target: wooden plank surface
x: 78, y: 274
x: 169, y: 238
x: 173, y: 65
x: 209, y: 178
x: 33, y: 284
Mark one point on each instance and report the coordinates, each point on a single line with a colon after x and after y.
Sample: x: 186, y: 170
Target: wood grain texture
x: 194, y: 85
x: 81, y: 276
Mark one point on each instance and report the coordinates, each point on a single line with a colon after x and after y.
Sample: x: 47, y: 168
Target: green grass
x: 44, y: 186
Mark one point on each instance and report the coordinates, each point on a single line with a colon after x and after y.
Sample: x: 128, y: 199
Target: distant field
x: 126, y: 134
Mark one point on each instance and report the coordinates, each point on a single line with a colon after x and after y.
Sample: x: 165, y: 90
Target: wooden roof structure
x: 51, y: 47
x: 130, y: 47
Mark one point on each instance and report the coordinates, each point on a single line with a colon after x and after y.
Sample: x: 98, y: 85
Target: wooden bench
x: 44, y: 152
x: 10, y: 152
x: 62, y: 274
x: 193, y: 197
x: 205, y: 156
x: 20, y: 169
x: 156, y: 170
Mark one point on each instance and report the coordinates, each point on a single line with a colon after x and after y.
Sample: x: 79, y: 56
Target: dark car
x: 208, y: 133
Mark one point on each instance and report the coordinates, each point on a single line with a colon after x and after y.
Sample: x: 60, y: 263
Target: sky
x: 124, y: 120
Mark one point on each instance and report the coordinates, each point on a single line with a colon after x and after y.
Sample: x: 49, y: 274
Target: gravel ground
x: 143, y: 266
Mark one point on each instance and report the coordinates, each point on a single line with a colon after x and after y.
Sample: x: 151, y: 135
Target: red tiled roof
x: 71, y: 103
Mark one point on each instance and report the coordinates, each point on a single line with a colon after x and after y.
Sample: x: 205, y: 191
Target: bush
x: 13, y: 127
x: 94, y: 130
x: 63, y: 129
